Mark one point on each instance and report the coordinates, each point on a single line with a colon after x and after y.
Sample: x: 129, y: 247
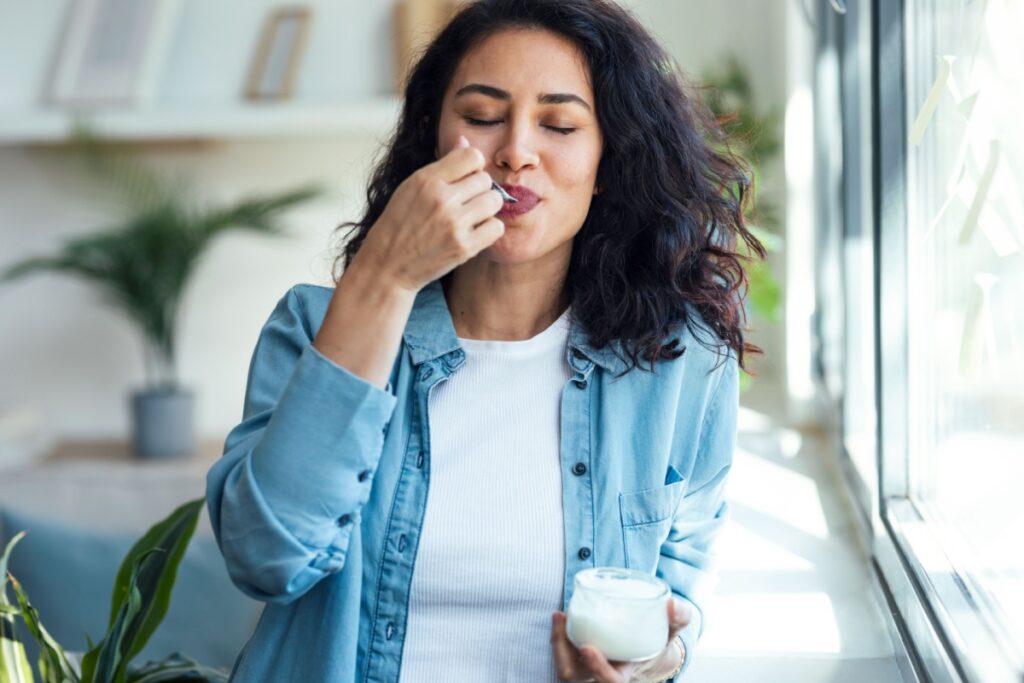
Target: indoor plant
x: 755, y: 137
x: 139, y: 601
x: 142, y: 264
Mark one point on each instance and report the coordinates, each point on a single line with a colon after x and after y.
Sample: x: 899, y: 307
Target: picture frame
x: 110, y: 52
x: 414, y: 24
x: 275, y: 63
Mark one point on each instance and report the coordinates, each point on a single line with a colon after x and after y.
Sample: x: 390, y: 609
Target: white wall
x: 73, y: 359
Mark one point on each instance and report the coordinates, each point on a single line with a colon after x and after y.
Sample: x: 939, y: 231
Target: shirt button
x: 579, y: 469
x: 363, y: 475
x: 344, y: 519
x: 426, y: 372
x: 584, y: 553
x: 391, y: 630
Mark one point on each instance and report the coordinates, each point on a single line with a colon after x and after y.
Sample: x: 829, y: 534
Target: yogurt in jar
x: 621, y: 612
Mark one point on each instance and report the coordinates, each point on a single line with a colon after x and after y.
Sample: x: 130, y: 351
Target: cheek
x: 578, y: 168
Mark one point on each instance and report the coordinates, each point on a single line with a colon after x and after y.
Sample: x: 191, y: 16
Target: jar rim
x: 587, y: 579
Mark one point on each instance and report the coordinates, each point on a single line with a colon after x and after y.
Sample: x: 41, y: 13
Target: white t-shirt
x: 491, y: 557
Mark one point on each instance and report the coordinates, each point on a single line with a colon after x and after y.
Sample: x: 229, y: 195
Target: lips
x: 527, y: 200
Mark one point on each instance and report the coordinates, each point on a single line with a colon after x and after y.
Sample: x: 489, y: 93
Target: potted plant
x: 142, y: 264
x: 139, y: 602
x: 755, y: 137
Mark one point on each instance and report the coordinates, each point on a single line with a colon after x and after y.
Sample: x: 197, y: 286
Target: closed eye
x: 481, y: 122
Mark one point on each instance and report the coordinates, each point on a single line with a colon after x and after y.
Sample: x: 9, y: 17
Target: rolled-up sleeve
x: 285, y: 495
x: 685, y: 561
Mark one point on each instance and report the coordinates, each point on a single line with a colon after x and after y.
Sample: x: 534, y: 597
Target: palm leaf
x: 256, y: 214
x: 126, y: 179
x: 142, y: 266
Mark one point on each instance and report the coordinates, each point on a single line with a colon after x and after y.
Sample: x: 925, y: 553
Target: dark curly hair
x: 663, y: 231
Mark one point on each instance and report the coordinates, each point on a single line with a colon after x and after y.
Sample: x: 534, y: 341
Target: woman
x: 493, y: 354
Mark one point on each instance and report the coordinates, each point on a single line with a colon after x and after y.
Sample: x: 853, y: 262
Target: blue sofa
x: 68, y: 573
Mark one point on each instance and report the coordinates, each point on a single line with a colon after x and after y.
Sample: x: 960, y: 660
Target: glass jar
x: 621, y: 612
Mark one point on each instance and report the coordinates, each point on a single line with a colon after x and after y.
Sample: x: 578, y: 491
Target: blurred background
x: 170, y: 168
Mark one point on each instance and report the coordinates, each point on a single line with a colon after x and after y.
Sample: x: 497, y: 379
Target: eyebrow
x: 545, y: 98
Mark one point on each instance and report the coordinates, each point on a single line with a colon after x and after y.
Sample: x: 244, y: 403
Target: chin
x: 499, y: 254
x: 516, y: 247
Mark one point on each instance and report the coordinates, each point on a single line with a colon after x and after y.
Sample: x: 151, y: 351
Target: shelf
x: 373, y: 116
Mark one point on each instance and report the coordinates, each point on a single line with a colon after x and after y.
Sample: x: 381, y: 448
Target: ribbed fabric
x: 491, y: 557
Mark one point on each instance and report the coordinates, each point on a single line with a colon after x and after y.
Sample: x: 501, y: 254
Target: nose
x: 516, y: 150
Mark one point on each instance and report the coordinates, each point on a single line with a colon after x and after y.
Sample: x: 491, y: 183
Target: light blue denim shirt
x: 318, y: 500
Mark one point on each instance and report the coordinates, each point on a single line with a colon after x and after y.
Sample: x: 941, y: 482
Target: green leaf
x: 765, y: 294
x: 3, y: 566
x: 172, y: 535
x: 54, y: 665
x: 756, y: 137
x: 14, y: 666
x: 746, y: 381
x: 153, y: 580
x: 176, y: 667
x: 108, y: 663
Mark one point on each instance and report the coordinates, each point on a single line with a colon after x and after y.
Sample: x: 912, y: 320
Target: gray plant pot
x: 162, y: 425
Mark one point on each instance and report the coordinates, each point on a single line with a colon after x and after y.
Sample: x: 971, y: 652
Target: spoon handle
x: 504, y: 195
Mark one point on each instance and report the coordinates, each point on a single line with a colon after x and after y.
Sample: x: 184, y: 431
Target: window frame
x: 951, y: 637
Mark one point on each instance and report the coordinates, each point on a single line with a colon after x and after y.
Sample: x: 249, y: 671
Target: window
x: 932, y: 246
x: 965, y: 277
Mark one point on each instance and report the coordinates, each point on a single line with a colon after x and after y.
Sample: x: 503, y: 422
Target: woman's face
x: 534, y: 86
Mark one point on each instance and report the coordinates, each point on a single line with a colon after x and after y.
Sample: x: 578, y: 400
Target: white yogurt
x: 621, y: 612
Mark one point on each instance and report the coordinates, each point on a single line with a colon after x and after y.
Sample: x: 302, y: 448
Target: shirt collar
x: 430, y: 333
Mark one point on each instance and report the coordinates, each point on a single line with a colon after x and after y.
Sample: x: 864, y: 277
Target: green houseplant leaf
x: 139, y: 602
x: 14, y: 666
x: 108, y: 661
x: 148, y: 570
x: 54, y: 665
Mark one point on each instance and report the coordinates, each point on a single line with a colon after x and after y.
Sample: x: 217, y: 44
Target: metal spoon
x: 504, y: 195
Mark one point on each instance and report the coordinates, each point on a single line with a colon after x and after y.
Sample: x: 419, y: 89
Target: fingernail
x: 463, y: 142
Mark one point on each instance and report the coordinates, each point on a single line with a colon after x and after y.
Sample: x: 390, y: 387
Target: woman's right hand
x: 437, y: 219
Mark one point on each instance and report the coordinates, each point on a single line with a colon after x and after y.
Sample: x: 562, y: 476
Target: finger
x: 678, y: 617
x: 486, y: 234
x: 460, y: 161
x: 480, y: 208
x: 473, y: 185
x: 567, y: 661
x: 602, y: 669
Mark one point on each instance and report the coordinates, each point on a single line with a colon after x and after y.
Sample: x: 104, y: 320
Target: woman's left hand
x: 588, y: 664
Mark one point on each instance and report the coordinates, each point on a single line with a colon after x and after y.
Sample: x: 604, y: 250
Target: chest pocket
x: 647, y: 519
